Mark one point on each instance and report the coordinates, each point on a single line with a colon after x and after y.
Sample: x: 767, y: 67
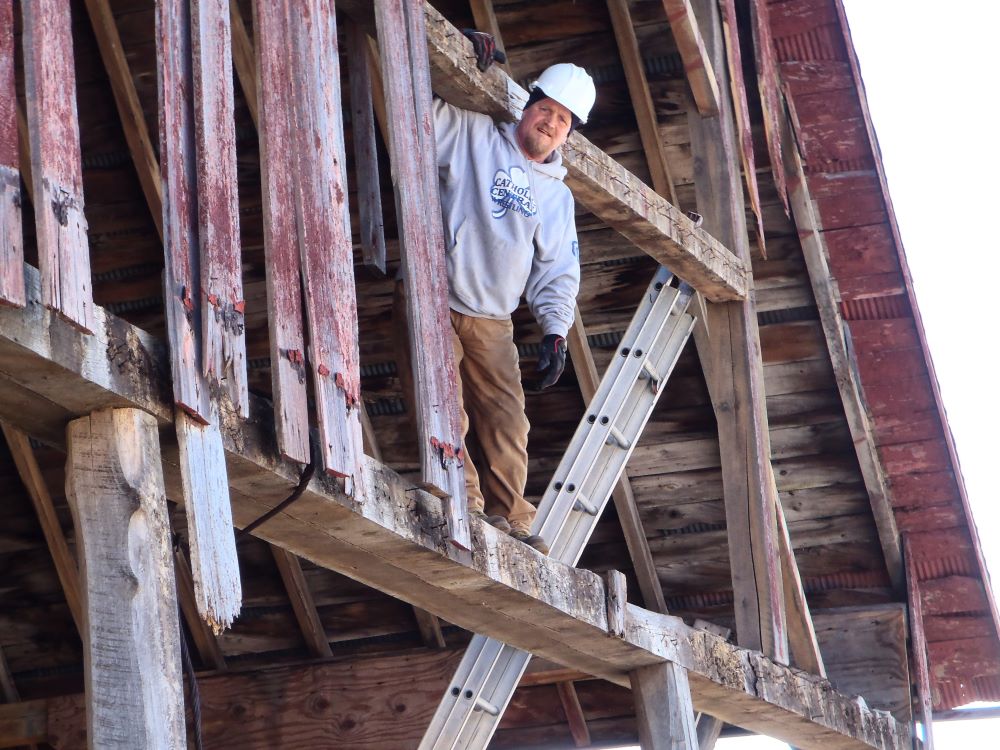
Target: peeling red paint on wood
x: 768, y: 83
x: 12, y: 290
x: 182, y: 280
x: 223, y: 324
x: 325, y: 246
x: 406, y: 77
x: 937, y: 488
x: 281, y: 249
x: 53, y: 128
x: 372, y: 230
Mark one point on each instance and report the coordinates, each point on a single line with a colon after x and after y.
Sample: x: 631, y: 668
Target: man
x: 509, y: 230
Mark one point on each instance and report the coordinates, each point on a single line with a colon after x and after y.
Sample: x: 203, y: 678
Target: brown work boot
x: 497, y: 522
x: 532, y: 540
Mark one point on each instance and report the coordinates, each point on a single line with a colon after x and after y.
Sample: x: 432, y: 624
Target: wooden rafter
x: 697, y: 65
x: 302, y: 602
x: 575, y: 718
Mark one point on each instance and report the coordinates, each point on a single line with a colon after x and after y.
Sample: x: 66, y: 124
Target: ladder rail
x: 484, y: 682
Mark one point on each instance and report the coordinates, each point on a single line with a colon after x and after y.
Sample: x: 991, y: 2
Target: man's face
x: 543, y: 128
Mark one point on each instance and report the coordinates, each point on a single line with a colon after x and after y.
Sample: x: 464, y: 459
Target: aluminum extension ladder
x: 490, y: 670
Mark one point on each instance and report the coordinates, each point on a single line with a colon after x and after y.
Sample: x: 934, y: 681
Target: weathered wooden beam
x: 244, y: 60
x: 11, y: 239
x: 642, y: 101
x: 398, y: 545
x: 575, y: 718
x: 628, y: 513
x: 598, y: 182
x: 34, y: 483
x: 663, y: 708
x: 698, y: 64
x: 769, y: 85
x: 205, y: 641
x: 132, y: 664
x: 303, y: 605
x: 918, y: 648
x: 730, y: 355
x: 406, y: 79
x: 486, y: 20
x: 844, y: 365
x: 130, y: 113
x: 54, y: 130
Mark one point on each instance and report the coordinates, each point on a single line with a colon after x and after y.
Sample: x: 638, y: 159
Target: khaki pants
x: 491, y: 398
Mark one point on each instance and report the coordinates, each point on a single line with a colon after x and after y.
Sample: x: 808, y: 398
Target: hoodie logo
x: 512, y: 192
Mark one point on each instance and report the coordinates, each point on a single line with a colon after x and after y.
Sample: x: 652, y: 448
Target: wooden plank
x: 244, y: 60
x: 34, y: 483
x: 617, y: 601
x: 11, y: 238
x: 327, y: 257
x: 918, y: 648
x: 698, y: 65
x: 844, y: 363
x: 23, y: 723
x: 642, y: 102
x: 205, y: 642
x: 223, y: 323
x: 53, y: 126
x: 399, y: 546
x: 133, y: 665
x: 574, y: 714
x: 279, y: 169
x: 302, y: 603
x: 730, y: 355
x: 744, y: 132
x: 769, y: 85
x: 372, y: 231
x: 624, y: 499
x: 407, y: 86
x: 130, y: 112
x: 663, y: 708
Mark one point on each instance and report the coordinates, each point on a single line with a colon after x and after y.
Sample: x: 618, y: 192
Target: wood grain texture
x: 279, y: 167
x: 11, y: 239
x: 132, y: 662
x: 698, y: 65
x: 244, y: 60
x: 303, y: 605
x: 223, y: 305
x: 918, y: 648
x: 574, y: 714
x: 411, y: 140
x: 769, y: 86
x: 371, y: 230
x: 327, y: 258
x: 663, y: 708
x: 205, y: 642
x: 53, y: 127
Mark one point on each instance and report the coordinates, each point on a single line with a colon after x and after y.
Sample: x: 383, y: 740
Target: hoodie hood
x: 551, y: 168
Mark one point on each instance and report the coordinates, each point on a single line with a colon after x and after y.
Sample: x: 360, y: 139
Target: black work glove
x: 485, y: 47
x: 551, y: 360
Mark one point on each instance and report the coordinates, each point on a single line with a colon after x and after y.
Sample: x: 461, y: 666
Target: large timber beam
x: 397, y: 542
x: 599, y: 183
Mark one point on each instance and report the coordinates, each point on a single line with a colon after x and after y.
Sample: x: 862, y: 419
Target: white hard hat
x: 570, y: 85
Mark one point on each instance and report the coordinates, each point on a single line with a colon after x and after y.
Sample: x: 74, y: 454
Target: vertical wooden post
x: 918, y: 646
x: 663, y: 707
x: 731, y: 359
x: 365, y: 154
x: 53, y: 127
x: 11, y: 240
x: 281, y: 250
x: 131, y: 640
x: 406, y: 76
x: 223, y: 322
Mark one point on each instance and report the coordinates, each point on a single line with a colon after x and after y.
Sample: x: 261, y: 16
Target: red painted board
x: 938, y: 488
x: 408, y: 99
x: 915, y: 458
x: 281, y: 247
x: 369, y: 191
x: 223, y: 322
x: 12, y: 290
x: 182, y: 280
x: 797, y: 16
x: 810, y: 76
x: 54, y: 133
x: 327, y: 253
x: 769, y: 85
x: 861, y: 251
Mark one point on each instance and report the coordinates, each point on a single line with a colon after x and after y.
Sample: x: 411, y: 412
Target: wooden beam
x: 132, y: 664
x: 628, y: 513
x: 918, y: 647
x: 844, y: 364
x: 398, y: 545
x: 11, y: 235
x: 486, y: 20
x: 34, y: 483
x: 23, y: 723
x: 709, y: 727
x: 244, y: 60
x: 663, y: 708
x: 730, y: 355
x: 577, y: 722
x: 642, y: 102
x: 205, y: 641
x: 302, y: 603
x: 698, y: 64
x: 54, y: 130
x: 130, y: 112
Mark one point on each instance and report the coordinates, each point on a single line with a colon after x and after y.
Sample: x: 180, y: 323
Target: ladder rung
x: 615, y: 437
x: 484, y: 705
x: 650, y: 373
x: 584, y: 505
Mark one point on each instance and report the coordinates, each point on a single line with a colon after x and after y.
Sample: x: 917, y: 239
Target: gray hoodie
x: 509, y: 223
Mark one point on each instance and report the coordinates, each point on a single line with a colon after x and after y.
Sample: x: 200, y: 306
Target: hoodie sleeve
x: 449, y: 130
x: 555, y: 271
